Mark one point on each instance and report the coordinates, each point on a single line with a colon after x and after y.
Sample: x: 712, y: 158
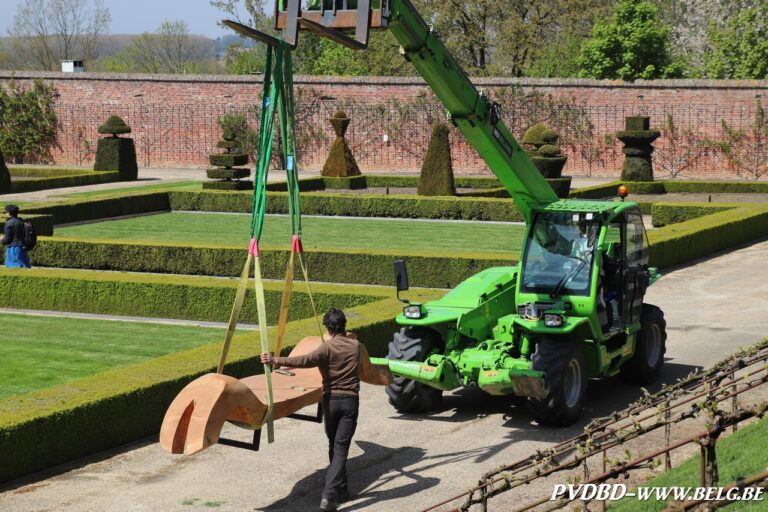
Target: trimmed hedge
x: 228, y: 185
x: 94, y: 209
x: 228, y: 160
x: 664, y: 214
x: 117, y: 154
x: 669, y: 187
x: 379, y: 181
x: 402, y: 206
x: 187, y: 298
x: 702, y: 236
x: 68, y: 179
x: 436, y: 270
x: 43, y: 225
x: 45, y: 428
x: 227, y: 174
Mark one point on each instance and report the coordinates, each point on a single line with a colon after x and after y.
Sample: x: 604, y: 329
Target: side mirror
x: 401, y: 278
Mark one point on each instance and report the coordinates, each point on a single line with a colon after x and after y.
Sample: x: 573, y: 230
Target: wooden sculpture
x: 196, y: 416
x: 194, y: 419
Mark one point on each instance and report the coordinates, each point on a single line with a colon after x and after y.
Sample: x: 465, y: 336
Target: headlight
x: 413, y: 311
x: 553, y: 320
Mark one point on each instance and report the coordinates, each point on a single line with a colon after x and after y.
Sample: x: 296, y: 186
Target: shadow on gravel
x: 604, y: 396
x: 369, y: 472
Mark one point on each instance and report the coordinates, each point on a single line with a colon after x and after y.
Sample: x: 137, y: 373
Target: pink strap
x: 296, y: 245
x: 253, y: 248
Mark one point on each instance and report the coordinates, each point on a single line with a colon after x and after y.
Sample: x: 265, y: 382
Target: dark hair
x: 335, y: 321
x: 12, y: 209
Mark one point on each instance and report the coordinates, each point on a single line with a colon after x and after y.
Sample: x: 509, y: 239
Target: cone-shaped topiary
x: 116, y: 153
x: 5, y: 176
x: 437, y: 171
x: 226, y: 171
x: 114, y: 126
x: 637, y: 138
x: 340, y: 162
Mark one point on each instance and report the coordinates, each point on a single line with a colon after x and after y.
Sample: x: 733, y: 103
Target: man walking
x: 343, y: 361
x: 16, y: 255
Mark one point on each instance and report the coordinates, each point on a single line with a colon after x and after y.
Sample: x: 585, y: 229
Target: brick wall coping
x: 758, y: 85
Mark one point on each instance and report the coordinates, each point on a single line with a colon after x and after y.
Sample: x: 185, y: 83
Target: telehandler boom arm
x: 470, y: 111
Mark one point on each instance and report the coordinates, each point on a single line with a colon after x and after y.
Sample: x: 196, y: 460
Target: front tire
x: 565, y: 371
x: 407, y: 395
x: 650, y: 347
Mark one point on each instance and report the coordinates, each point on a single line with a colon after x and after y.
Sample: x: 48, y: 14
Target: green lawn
x: 37, y: 352
x: 318, y: 232
x: 742, y: 454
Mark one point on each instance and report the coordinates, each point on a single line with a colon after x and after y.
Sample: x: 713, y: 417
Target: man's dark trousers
x: 340, y: 424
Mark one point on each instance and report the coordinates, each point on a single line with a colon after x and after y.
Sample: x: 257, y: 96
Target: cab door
x: 635, y: 243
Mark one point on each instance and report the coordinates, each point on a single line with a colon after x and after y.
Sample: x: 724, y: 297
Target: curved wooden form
x: 196, y: 416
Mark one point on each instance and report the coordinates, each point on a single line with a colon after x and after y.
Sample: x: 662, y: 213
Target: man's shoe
x: 328, y: 505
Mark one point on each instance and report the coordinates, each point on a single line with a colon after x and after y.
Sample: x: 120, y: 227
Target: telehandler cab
x: 572, y: 309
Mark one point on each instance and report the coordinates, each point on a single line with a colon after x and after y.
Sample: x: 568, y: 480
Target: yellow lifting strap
x: 253, y: 256
x: 296, y: 249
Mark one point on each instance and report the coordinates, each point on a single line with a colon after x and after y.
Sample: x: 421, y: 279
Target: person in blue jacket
x: 16, y: 255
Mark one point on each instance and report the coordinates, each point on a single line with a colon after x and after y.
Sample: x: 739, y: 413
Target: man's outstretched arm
x: 372, y: 373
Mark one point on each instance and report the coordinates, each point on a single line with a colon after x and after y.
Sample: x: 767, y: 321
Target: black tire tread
x: 552, y: 356
x: 636, y: 369
x: 407, y: 395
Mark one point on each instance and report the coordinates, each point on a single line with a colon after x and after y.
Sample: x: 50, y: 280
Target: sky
x: 136, y: 16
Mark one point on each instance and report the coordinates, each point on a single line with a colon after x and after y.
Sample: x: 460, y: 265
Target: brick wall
x: 174, y: 118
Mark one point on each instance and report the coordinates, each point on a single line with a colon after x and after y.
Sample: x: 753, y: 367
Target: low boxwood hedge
x: 179, y: 297
x: 45, y: 428
x: 703, y: 236
x: 664, y: 214
x: 350, y: 205
x: 50, y: 179
x: 43, y: 224
x: 93, y: 209
x: 668, y: 187
x: 430, y: 270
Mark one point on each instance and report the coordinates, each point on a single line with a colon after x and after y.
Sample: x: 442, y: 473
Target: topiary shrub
x: 5, y: 176
x: 340, y: 163
x: 637, y: 138
x: 437, y: 171
x: 226, y: 171
x: 116, y: 153
x: 546, y: 155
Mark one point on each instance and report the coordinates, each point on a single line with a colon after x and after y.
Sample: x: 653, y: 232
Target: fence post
x: 734, y: 404
x: 667, y: 435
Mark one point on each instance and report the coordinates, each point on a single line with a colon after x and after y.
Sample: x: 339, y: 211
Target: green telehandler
x: 572, y: 309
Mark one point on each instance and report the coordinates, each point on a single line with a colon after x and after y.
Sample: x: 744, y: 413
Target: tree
x: 690, y: 20
x: 242, y: 61
x: 253, y: 14
x: 632, y: 44
x: 45, y: 32
x: 27, y: 121
x: 739, y: 50
x: 508, y: 37
x: 168, y: 50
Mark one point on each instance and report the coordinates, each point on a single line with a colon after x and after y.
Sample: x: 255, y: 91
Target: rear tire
x: 407, y: 395
x: 565, y: 370
x: 650, y: 347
